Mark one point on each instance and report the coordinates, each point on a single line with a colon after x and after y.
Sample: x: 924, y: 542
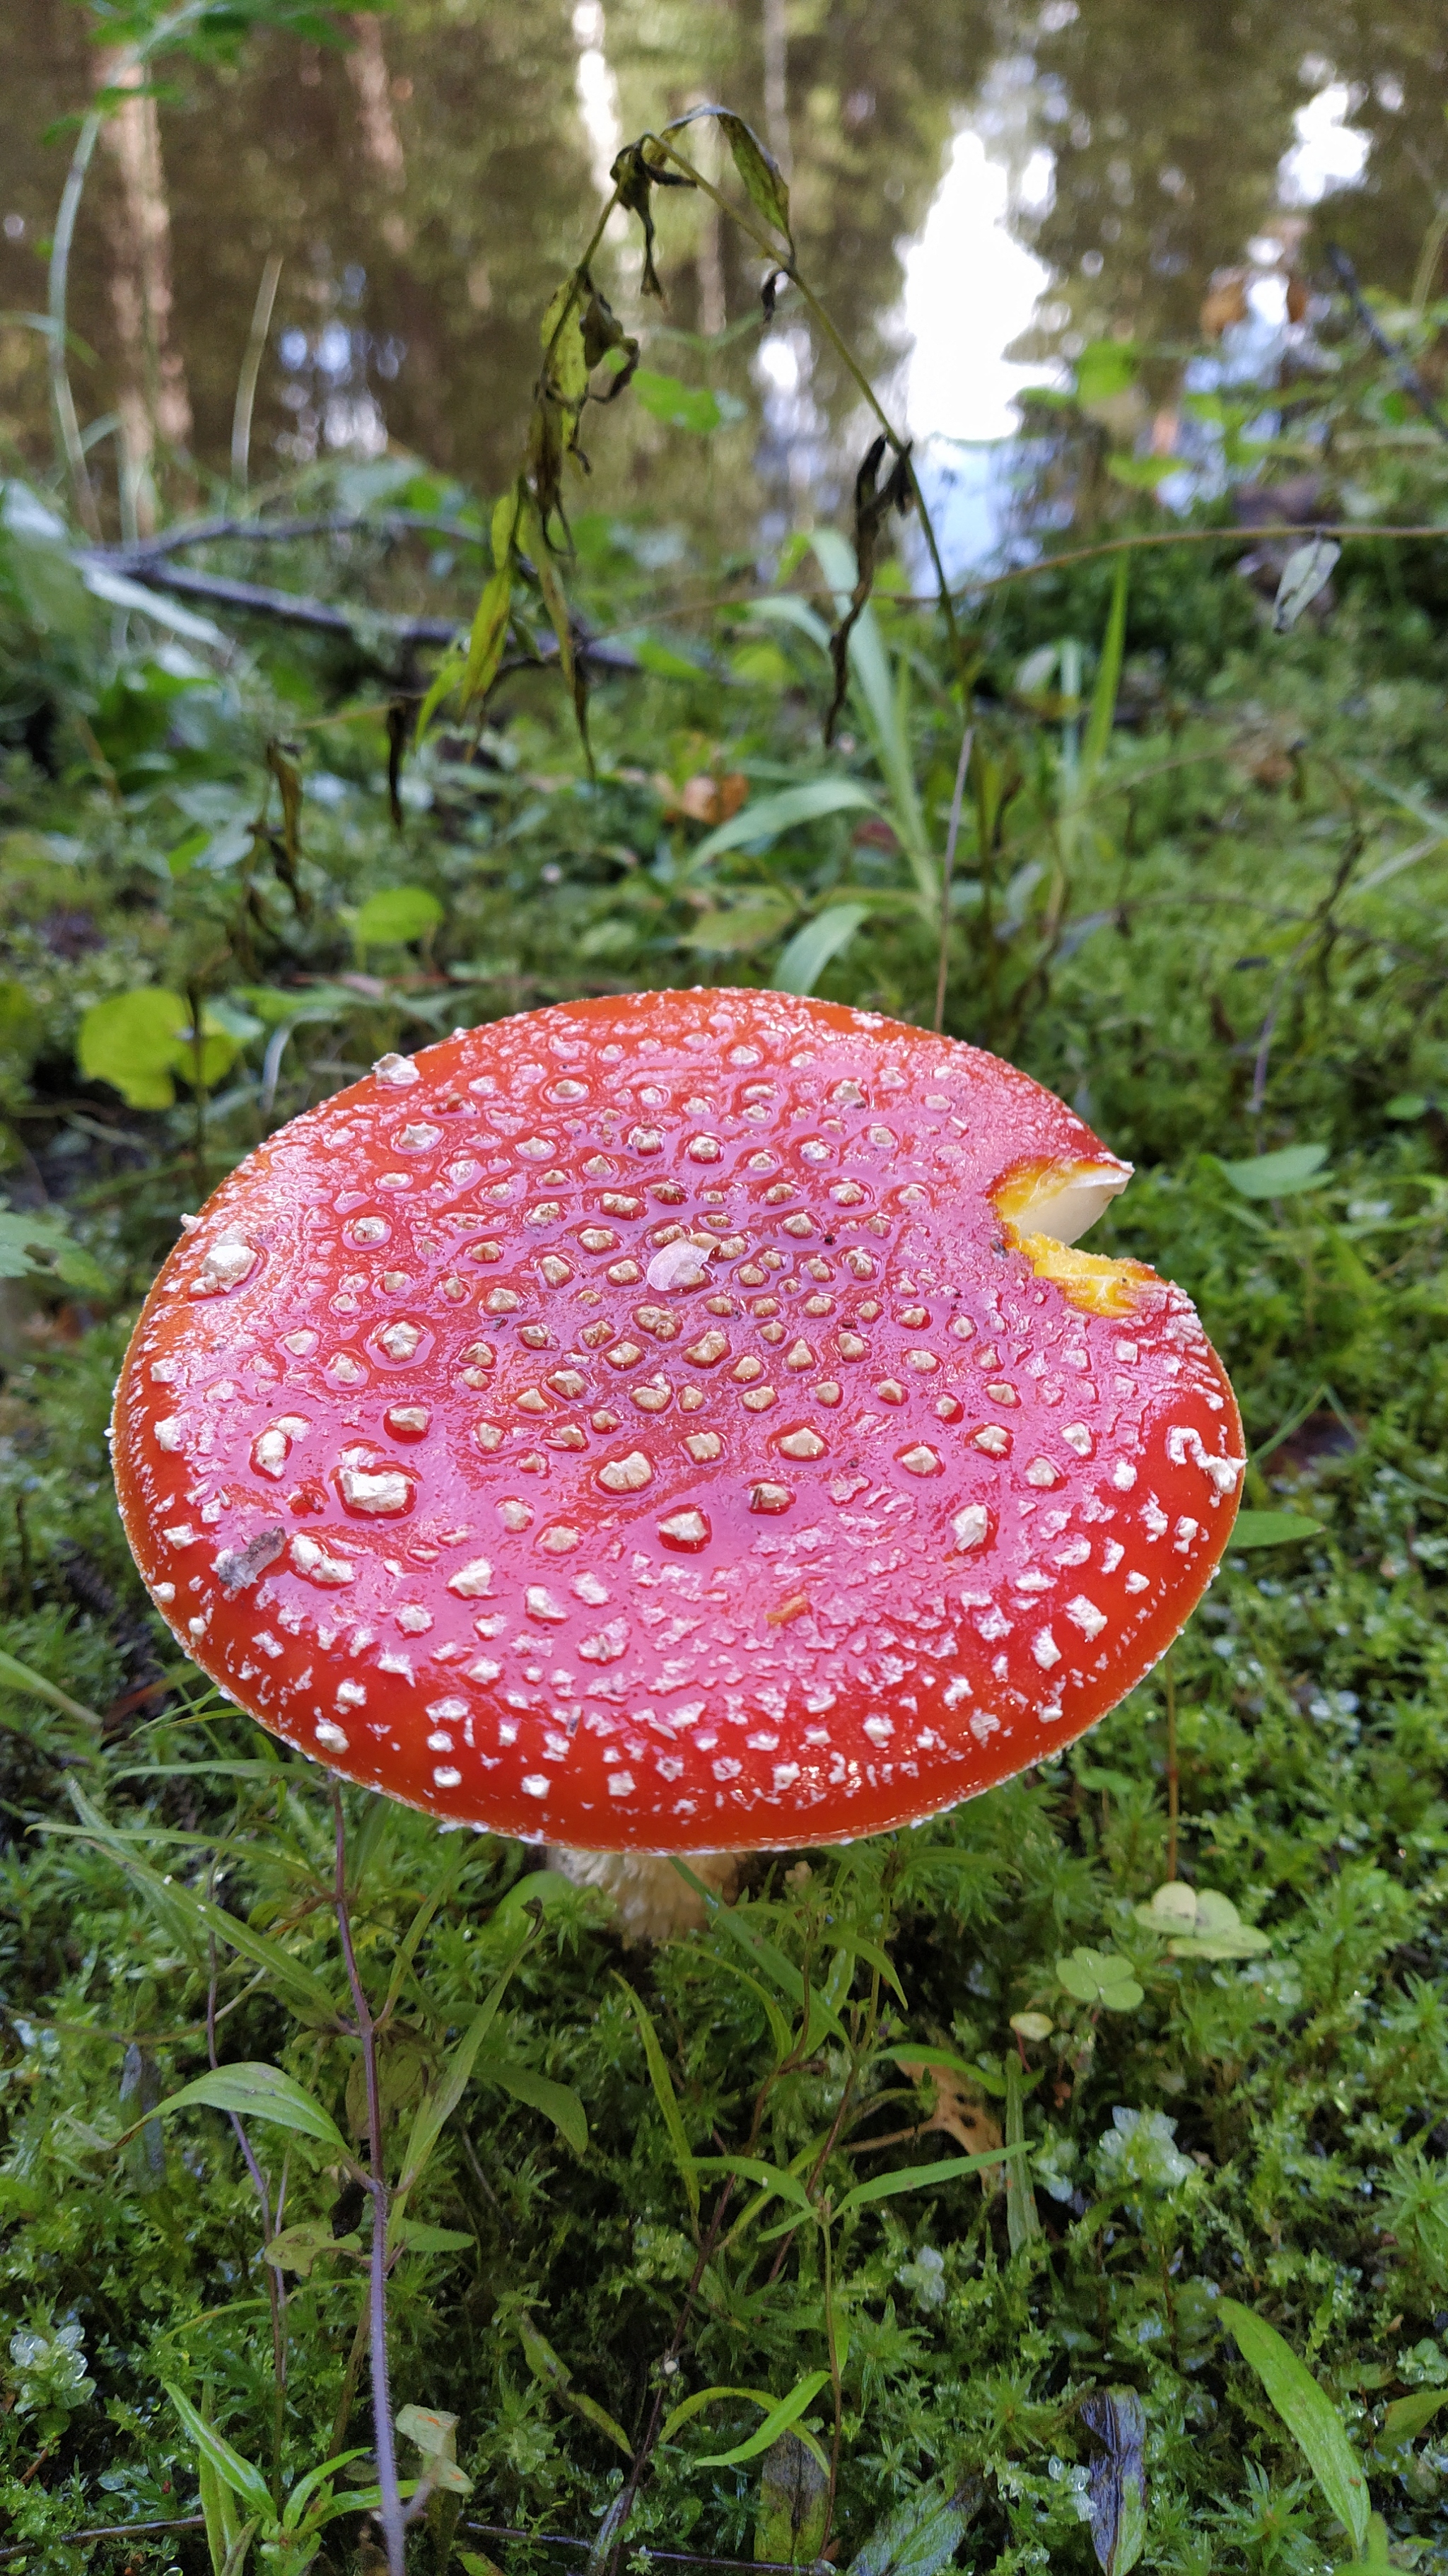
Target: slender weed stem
x: 392, y: 2518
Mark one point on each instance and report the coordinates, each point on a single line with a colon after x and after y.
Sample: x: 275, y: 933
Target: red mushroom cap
x: 674, y: 1422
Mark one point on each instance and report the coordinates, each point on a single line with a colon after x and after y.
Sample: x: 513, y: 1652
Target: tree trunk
x: 152, y: 397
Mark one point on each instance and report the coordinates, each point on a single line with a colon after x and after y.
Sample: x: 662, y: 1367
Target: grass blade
x: 1309, y: 2415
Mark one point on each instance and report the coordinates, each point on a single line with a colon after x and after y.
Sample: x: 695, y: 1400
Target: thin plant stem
x: 246, y: 383
x: 946, y: 875
x: 825, y: 323
x: 385, y: 2442
x: 1173, y: 1773
x: 198, y: 1093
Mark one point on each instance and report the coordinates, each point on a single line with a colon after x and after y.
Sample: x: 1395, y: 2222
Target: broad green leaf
x: 921, y: 2535
x: 781, y: 2414
x: 260, y: 2092
x: 664, y: 2095
x: 438, y: 2106
x: 1308, y: 570
x: 1282, y: 1175
x: 130, y: 1041
x: 238, y: 2474
x: 24, y: 1233
x: 737, y: 928
x: 681, y: 406
x: 1272, y: 1529
x: 887, y: 2186
x: 801, y: 964
x: 396, y: 915
x: 557, y: 2102
x: 765, y: 818
x: 1309, y: 2415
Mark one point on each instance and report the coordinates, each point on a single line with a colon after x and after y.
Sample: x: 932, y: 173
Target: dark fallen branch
x: 390, y: 524
x: 1407, y: 375
x: 371, y: 630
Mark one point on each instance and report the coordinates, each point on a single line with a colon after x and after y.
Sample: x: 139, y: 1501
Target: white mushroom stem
x: 652, y: 1900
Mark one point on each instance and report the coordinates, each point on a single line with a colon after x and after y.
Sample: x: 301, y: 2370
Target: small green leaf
x: 1199, y: 1923
x: 1105, y: 369
x: 1309, y: 2415
x: 1282, y: 1175
x: 557, y: 2102
x: 396, y: 915
x: 1100, y: 1978
x: 1272, y: 1529
x: 296, y: 2249
x: 681, y: 406
x: 415, y: 2238
x: 1407, y: 2416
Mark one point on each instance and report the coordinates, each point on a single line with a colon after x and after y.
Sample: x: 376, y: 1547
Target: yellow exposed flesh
x: 1098, y: 1285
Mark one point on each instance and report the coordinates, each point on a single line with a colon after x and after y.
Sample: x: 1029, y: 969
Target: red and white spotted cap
x: 674, y: 1422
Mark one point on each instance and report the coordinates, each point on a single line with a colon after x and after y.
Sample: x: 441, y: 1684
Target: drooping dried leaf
x: 873, y: 502
x: 765, y: 182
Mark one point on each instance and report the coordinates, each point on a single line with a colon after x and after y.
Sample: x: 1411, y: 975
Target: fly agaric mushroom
x: 679, y: 1423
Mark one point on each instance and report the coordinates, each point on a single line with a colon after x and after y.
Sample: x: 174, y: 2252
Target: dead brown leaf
x: 960, y: 2111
